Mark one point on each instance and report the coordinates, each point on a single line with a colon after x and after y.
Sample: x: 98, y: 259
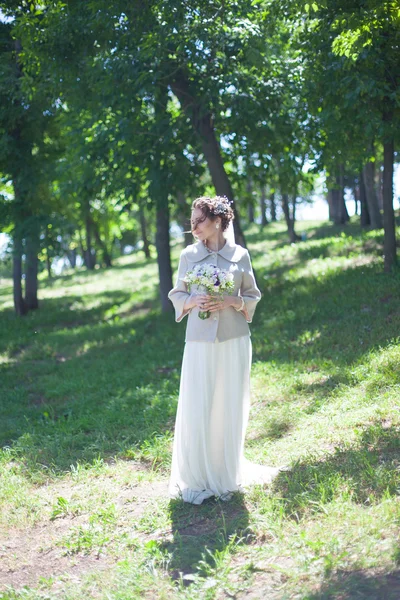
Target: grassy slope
x: 88, y: 395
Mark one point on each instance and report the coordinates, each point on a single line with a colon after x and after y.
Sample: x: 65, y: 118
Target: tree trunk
x: 331, y: 204
x: 370, y: 192
x: 293, y: 237
x: 48, y: 260
x: 294, y: 205
x: 48, y: 265
x: 250, y: 206
x: 337, y: 206
x: 389, y: 224
x: 83, y: 251
x: 263, y: 206
x: 356, y: 196
x: 19, y: 302
x: 102, y: 245
x: 90, y: 258
x: 250, y: 213
x: 202, y: 121
x: 71, y: 255
x: 184, y: 219
x: 158, y: 175
x: 334, y: 198
x: 364, y: 214
x: 163, y: 256
x: 31, y: 270
x: 379, y: 184
x: 16, y: 133
x: 343, y: 215
x: 143, y: 229
x: 272, y: 205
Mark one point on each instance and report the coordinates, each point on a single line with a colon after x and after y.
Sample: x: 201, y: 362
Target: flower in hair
x: 222, y: 206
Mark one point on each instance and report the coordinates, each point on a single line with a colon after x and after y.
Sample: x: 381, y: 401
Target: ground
x: 90, y: 385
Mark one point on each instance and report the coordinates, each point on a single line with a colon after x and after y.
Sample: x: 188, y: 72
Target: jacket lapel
x: 232, y: 252
x: 196, y: 252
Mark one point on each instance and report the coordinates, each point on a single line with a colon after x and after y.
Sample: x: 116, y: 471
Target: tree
x: 352, y: 66
x: 26, y: 153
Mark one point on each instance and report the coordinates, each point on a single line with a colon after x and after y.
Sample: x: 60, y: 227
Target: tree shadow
x: 321, y: 247
x: 258, y: 234
x: 363, y: 584
x: 91, y: 387
x: 87, y: 274
x: 363, y: 473
x: 71, y: 312
x: 272, y: 430
x: 322, y: 230
x: 6, y: 290
x: 321, y: 391
x: 201, y: 531
x: 88, y: 369
x: 108, y: 381
x: 341, y: 317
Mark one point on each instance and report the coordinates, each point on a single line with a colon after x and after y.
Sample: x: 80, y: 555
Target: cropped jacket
x: 223, y: 324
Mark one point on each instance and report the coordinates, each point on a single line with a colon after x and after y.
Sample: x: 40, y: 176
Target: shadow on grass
x: 87, y: 274
x: 324, y: 231
x: 88, y: 387
x: 321, y: 248
x: 362, y: 474
x: 359, y: 585
x: 56, y: 314
x: 314, y: 230
x: 334, y: 317
x: 6, y: 291
x: 201, y: 533
x: 321, y: 391
x: 88, y: 383
x: 91, y: 383
x: 278, y: 236
x: 273, y: 429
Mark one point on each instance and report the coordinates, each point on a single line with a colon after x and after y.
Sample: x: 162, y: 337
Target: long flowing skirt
x: 212, y: 416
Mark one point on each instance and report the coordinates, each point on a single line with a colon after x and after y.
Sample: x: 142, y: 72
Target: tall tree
x: 26, y: 151
x: 352, y: 73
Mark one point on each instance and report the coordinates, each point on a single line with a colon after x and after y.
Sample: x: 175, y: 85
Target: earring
x: 217, y: 226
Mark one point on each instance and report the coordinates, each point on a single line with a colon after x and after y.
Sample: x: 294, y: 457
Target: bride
x: 214, y: 396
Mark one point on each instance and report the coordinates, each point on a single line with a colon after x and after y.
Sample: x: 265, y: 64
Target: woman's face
x: 202, y: 227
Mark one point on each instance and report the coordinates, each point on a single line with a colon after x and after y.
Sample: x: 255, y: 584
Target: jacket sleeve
x: 179, y: 294
x: 249, y: 290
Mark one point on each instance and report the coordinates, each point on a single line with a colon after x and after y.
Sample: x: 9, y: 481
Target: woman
x: 214, y: 396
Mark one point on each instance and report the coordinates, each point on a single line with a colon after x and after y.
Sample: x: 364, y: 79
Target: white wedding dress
x: 213, y: 411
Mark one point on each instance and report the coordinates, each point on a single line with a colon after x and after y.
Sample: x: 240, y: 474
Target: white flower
x: 213, y: 279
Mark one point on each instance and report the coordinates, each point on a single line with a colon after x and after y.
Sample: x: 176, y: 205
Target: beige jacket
x: 223, y: 324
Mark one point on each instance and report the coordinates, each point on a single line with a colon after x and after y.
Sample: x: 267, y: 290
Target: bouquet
x: 211, y: 280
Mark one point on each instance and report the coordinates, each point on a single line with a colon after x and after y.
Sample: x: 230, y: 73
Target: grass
x: 89, y: 387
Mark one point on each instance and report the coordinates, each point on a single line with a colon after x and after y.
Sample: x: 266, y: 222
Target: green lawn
x: 89, y: 388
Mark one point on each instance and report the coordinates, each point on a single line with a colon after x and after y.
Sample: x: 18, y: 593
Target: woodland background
x: 114, y: 117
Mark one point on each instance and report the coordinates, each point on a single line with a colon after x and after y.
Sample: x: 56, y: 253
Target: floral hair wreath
x: 222, y: 206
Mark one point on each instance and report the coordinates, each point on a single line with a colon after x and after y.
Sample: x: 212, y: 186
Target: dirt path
x: 31, y: 553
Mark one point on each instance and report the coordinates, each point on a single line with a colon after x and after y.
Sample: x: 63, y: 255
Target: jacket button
x: 215, y: 318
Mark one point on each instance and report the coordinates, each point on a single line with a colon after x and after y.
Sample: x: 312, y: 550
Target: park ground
x: 89, y: 388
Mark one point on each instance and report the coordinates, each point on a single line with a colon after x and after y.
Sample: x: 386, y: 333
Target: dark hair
x: 219, y: 206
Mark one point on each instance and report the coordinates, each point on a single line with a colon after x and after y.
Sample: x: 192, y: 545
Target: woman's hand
x: 195, y: 300
x: 213, y: 303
